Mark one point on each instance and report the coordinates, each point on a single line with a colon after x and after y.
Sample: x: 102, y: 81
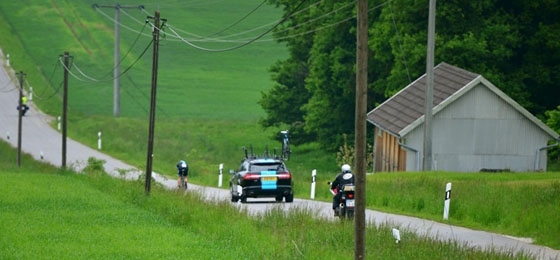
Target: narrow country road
x: 45, y: 143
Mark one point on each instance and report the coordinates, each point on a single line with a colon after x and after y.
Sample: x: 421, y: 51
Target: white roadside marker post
x: 313, y: 183
x: 99, y: 140
x: 447, y: 201
x: 221, y: 175
x: 396, y: 235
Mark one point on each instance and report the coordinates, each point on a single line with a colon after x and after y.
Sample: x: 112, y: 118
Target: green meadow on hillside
x: 207, y: 106
x: 200, y: 82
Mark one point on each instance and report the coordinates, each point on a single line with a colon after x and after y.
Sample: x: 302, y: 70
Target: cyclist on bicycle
x: 182, y: 170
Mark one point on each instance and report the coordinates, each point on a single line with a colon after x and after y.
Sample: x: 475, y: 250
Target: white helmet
x: 345, y: 168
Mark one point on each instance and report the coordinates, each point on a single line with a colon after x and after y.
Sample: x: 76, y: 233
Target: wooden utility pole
x: 117, y: 56
x: 150, y: 156
x: 65, y: 108
x: 20, y: 109
x: 427, y: 163
x: 360, y: 141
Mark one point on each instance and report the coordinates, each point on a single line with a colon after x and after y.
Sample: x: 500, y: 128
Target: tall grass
x: 518, y: 204
x: 207, y: 110
x: 50, y: 214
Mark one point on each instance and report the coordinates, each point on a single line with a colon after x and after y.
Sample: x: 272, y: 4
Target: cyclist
x: 343, y: 178
x: 24, y: 107
x: 182, y: 171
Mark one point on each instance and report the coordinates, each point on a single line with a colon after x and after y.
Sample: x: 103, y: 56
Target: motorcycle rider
x: 343, y: 178
x: 182, y: 170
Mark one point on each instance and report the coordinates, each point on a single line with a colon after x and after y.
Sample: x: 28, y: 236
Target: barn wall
x: 482, y: 131
x: 388, y: 155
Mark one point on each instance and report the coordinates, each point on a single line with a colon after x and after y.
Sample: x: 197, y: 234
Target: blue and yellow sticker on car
x: 268, y: 180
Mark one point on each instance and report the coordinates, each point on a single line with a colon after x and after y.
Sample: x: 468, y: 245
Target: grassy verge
x: 516, y: 204
x: 61, y: 215
x: 207, y: 111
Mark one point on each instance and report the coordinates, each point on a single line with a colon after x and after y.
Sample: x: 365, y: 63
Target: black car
x: 261, y: 177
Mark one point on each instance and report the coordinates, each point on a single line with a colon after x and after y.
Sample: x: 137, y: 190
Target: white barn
x: 476, y: 127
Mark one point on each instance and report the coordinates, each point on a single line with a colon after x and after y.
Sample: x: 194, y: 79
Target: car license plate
x: 350, y: 203
x: 271, y: 178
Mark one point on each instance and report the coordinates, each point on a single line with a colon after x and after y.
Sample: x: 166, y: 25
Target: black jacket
x: 342, y: 179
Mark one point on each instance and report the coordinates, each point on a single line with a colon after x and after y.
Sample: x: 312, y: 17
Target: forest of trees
x: 513, y: 43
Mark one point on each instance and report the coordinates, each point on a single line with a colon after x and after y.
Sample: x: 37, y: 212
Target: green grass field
x: 191, y: 81
x: 207, y: 110
x: 49, y: 214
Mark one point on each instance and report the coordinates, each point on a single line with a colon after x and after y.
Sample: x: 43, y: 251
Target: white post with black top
x: 313, y: 183
x: 447, y: 201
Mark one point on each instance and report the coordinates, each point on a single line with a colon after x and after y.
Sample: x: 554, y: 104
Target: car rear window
x: 279, y: 167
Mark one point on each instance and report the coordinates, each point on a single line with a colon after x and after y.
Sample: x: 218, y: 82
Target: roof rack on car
x: 249, y: 154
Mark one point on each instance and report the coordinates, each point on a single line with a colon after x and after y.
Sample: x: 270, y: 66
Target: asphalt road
x: 45, y: 143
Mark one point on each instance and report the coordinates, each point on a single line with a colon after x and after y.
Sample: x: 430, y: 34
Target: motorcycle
x: 345, y: 209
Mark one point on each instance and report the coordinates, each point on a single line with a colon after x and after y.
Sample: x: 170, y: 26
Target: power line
x: 125, y: 56
x: 68, y: 69
x: 117, y: 60
x: 400, y: 43
x: 243, y: 44
x: 119, y: 23
x: 238, y: 21
x: 92, y: 79
x: 50, y: 84
x: 200, y: 38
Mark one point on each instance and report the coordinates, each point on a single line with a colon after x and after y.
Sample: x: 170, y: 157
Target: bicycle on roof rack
x: 285, y: 145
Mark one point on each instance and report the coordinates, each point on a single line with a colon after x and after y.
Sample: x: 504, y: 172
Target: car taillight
x: 351, y: 195
x: 284, y: 175
x: 251, y: 176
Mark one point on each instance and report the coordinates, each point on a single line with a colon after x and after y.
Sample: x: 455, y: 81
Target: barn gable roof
x: 404, y: 111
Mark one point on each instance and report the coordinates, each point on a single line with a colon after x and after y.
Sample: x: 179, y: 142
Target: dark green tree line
x: 515, y: 44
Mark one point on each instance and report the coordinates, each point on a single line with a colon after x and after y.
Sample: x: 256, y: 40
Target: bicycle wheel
x: 286, y: 153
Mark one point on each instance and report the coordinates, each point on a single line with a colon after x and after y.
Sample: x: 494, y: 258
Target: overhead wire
x: 54, y: 93
x: 226, y: 38
x: 143, y: 93
x: 322, y: 27
x: 83, y: 74
x: 238, y: 21
x: 68, y: 69
x: 49, y: 81
x: 399, y: 40
x: 240, y: 45
x: 104, y: 78
x: 134, y: 98
x: 200, y: 38
x: 120, y: 24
